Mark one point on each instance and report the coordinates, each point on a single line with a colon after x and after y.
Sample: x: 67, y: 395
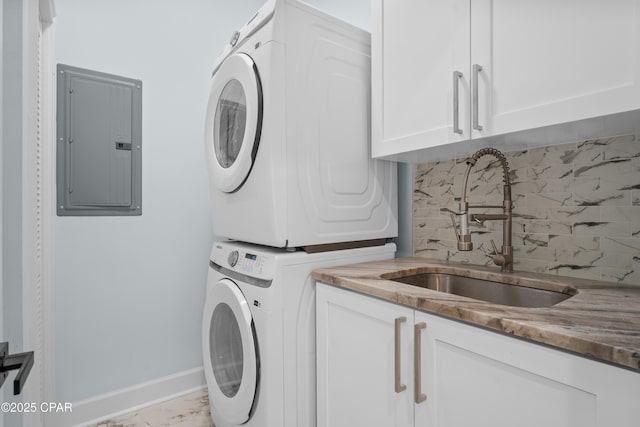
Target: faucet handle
x: 504, y: 260
x: 495, y: 249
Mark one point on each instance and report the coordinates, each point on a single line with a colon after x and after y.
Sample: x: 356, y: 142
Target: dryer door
x: 234, y: 121
x: 229, y: 352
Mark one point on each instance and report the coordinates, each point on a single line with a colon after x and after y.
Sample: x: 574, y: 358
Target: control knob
x: 233, y: 258
x: 234, y: 38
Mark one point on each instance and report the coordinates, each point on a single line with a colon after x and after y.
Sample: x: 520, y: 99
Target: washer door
x: 234, y: 121
x: 229, y: 352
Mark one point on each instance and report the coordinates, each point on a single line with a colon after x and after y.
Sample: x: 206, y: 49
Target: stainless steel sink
x: 485, y: 290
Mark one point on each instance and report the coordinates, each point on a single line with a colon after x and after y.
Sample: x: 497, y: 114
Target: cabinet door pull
x: 476, y: 70
x: 399, y: 387
x: 417, y: 364
x: 457, y: 75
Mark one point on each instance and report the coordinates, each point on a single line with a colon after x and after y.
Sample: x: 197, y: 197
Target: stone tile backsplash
x: 576, y: 209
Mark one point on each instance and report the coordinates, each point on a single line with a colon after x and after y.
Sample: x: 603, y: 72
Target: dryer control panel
x: 256, y: 22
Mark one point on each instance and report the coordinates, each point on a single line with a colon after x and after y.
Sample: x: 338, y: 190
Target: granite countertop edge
x: 601, y: 321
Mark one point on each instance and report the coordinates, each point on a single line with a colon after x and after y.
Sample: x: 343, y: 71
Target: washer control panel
x: 250, y: 263
x: 246, y: 259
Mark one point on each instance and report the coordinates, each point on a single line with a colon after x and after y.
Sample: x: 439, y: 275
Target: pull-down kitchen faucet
x: 504, y: 258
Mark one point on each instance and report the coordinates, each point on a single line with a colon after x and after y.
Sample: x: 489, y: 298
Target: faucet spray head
x: 463, y: 236
x: 465, y: 243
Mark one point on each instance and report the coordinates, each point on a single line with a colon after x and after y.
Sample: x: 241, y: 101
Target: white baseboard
x: 119, y: 402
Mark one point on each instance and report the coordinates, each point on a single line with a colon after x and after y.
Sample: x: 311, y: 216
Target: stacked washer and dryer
x: 293, y: 188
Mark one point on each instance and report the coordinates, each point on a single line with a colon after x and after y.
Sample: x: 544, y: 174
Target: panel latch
x: 123, y: 146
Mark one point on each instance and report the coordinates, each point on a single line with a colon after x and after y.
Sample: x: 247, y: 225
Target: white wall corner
x: 123, y: 401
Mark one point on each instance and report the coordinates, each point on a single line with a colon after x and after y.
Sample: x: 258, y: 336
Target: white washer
x: 258, y: 332
x: 288, y: 134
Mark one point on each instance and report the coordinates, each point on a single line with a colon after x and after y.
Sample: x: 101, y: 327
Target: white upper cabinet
x: 508, y: 66
x: 548, y: 62
x: 417, y: 47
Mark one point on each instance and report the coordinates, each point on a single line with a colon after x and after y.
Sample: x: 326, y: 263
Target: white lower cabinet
x: 356, y: 360
x: 467, y: 376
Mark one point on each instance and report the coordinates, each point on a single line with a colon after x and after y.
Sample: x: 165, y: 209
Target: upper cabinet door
x: 462, y: 71
x: 548, y: 62
x: 417, y: 48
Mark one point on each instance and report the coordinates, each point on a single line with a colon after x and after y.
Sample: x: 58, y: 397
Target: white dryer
x: 258, y: 332
x: 288, y: 134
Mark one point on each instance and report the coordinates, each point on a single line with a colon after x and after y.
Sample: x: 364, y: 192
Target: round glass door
x: 225, y: 349
x: 229, y: 123
x: 234, y: 121
x: 229, y: 352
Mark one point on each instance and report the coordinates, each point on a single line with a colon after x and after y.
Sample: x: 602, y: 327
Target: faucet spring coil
x: 498, y: 155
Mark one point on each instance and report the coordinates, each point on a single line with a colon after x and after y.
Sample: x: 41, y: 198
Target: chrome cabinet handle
x: 476, y: 70
x: 457, y: 75
x: 417, y: 365
x: 399, y: 387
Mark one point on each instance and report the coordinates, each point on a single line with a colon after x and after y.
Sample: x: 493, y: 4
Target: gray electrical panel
x: 99, y: 143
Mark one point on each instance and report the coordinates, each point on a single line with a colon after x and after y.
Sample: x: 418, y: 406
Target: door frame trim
x: 39, y: 203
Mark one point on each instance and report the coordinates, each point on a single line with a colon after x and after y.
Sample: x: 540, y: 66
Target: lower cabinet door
x: 476, y: 377
x: 380, y: 364
x: 362, y: 345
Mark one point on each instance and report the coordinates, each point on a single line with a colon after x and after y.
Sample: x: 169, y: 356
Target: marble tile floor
x: 190, y: 410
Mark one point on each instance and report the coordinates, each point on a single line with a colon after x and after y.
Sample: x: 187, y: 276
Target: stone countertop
x: 602, y: 320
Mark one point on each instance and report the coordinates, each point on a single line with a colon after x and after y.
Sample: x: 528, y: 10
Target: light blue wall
x: 130, y: 290
x: 12, y: 171
x: 404, y: 242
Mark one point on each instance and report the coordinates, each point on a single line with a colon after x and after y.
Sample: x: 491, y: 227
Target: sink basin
x: 485, y: 290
